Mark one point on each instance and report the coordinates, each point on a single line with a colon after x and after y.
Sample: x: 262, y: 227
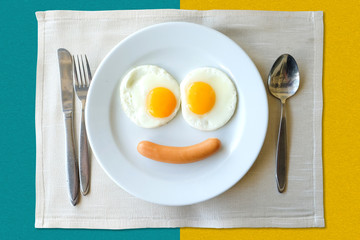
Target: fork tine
x: 84, y: 71
x: 88, y: 70
x: 76, y: 82
x: 81, y: 73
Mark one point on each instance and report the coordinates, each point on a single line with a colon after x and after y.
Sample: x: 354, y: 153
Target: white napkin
x: 253, y: 201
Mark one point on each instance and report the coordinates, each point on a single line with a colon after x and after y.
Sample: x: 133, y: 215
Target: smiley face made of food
x: 150, y: 97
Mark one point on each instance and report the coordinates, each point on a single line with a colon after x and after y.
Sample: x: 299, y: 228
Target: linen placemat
x: 254, y: 201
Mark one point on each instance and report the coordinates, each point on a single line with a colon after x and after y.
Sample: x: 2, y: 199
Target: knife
x: 67, y: 95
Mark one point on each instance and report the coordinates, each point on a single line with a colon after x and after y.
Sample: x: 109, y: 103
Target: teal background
x: 18, y: 53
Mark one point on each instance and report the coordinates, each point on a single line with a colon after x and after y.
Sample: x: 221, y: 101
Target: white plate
x: 179, y: 48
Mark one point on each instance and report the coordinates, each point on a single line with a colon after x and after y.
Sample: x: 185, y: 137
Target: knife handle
x: 281, y: 152
x: 71, y: 161
x: 84, y: 160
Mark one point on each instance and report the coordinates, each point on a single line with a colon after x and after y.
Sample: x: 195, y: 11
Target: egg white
x: 225, y: 103
x: 135, y: 87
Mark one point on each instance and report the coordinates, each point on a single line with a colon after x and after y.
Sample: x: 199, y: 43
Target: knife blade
x: 67, y: 95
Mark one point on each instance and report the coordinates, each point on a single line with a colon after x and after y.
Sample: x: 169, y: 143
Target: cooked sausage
x: 179, y: 155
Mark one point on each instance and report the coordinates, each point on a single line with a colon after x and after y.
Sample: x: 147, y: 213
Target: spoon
x: 283, y: 82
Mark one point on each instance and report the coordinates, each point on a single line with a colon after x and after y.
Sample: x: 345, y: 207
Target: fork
x: 82, y: 82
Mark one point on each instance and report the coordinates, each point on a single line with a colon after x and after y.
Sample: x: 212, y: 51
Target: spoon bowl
x: 284, y: 77
x: 283, y: 82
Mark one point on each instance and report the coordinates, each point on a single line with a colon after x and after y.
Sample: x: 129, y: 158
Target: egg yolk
x: 161, y: 102
x: 200, y: 97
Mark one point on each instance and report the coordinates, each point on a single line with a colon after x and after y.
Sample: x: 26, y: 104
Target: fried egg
x: 208, y: 98
x: 150, y: 96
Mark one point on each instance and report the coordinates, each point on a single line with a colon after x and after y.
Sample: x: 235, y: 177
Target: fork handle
x: 84, y: 159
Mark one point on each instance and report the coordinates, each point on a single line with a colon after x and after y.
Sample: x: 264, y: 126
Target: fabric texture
x: 254, y: 201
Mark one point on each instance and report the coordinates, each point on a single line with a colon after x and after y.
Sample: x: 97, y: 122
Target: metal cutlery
x: 283, y: 82
x: 67, y: 95
x: 82, y: 76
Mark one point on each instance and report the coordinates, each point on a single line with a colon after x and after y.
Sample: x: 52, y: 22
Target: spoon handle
x: 281, y: 152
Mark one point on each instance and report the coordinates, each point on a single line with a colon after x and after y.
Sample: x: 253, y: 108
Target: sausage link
x: 179, y: 155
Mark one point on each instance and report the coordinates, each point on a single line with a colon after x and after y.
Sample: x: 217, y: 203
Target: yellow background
x: 341, y: 122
